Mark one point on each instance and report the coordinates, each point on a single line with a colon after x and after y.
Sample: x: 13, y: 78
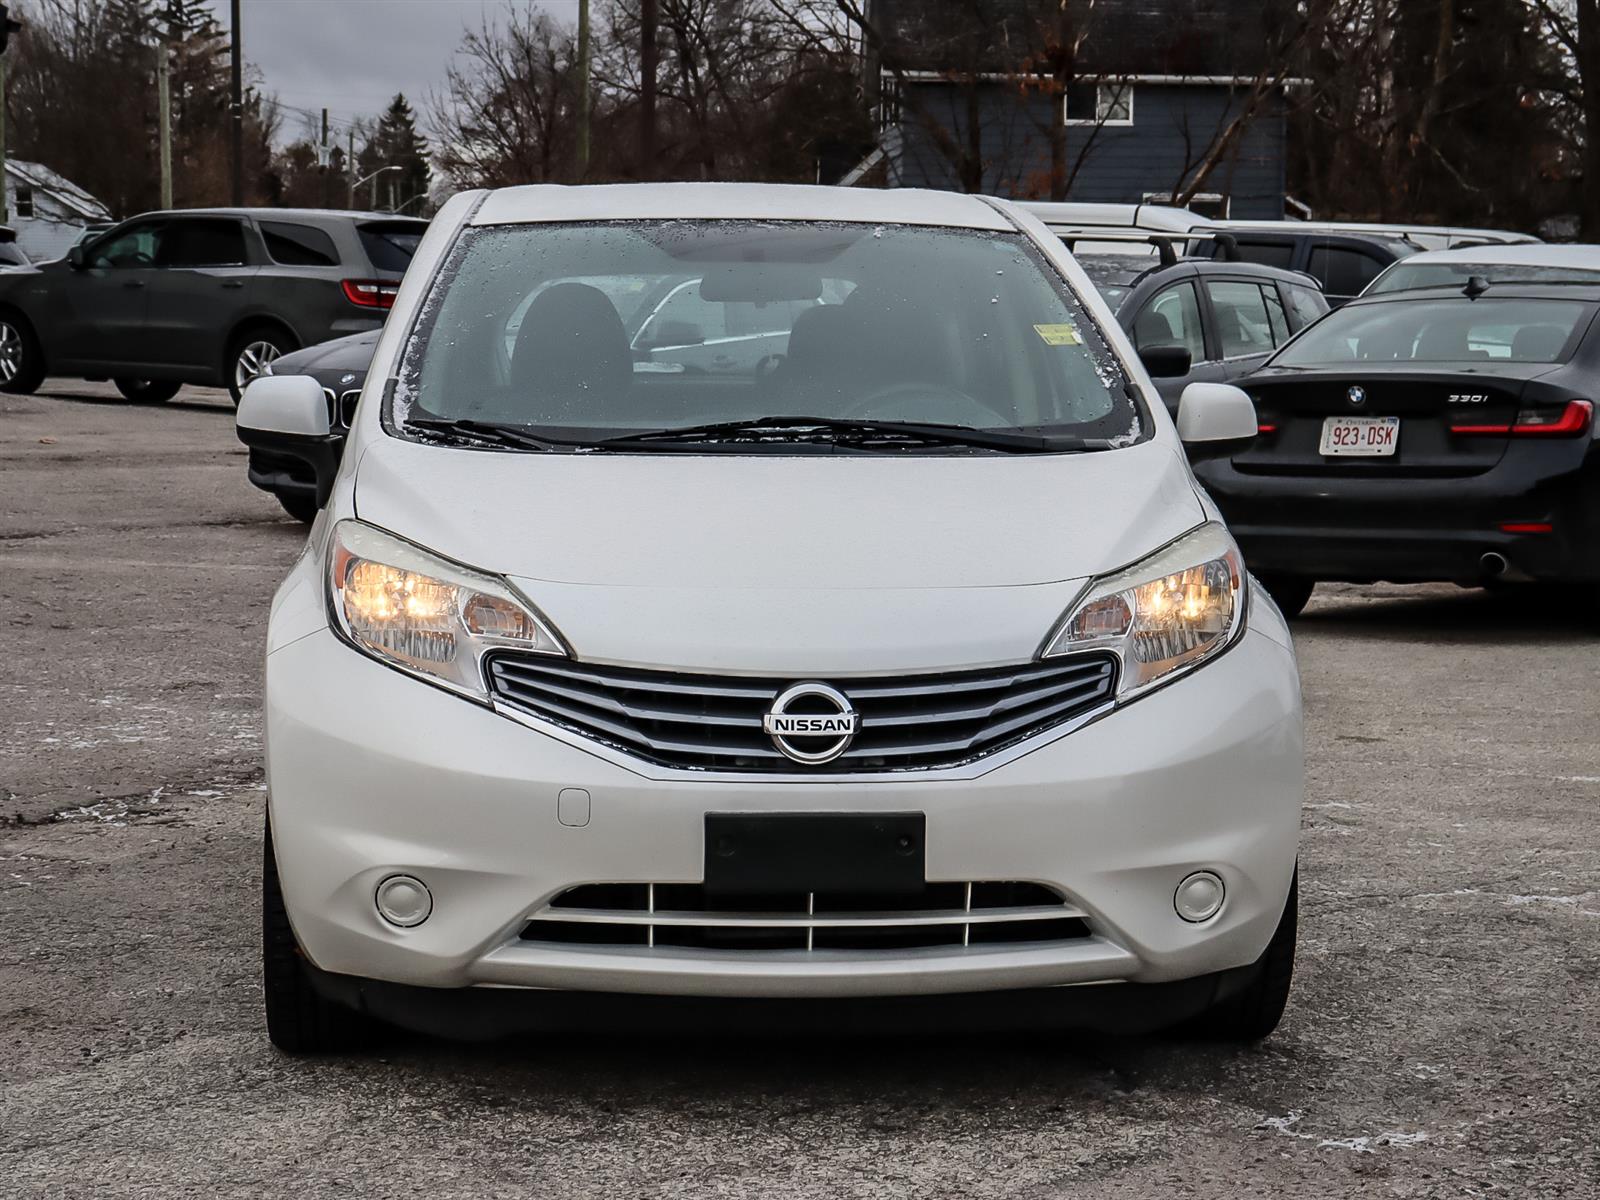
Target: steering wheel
x: 932, y: 403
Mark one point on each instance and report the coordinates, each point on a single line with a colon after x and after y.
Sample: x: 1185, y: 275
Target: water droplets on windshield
x: 575, y: 330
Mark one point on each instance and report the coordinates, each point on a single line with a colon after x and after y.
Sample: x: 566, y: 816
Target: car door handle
x: 133, y: 283
x: 233, y: 283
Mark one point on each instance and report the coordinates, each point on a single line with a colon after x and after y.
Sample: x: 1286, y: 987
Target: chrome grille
x: 713, y: 722
x: 686, y: 915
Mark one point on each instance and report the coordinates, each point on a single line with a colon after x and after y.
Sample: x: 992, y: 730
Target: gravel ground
x: 1441, y: 1040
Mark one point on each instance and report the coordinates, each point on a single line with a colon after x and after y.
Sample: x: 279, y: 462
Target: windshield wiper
x: 844, y: 431
x: 492, y: 432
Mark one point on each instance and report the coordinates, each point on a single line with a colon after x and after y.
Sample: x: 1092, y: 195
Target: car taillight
x: 1570, y: 421
x: 370, y: 293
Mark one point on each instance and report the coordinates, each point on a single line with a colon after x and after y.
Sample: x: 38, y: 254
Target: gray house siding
x: 1173, y: 124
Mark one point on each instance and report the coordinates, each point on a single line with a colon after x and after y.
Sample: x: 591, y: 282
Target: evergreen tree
x: 396, y: 142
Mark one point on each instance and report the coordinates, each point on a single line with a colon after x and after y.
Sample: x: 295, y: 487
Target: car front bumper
x: 372, y: 773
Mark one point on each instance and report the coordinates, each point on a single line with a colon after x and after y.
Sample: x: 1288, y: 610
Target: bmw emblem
x: 347, y: 379
x: 1357, y: 395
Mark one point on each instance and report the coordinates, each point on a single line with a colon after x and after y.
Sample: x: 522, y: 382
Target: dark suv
x: 205, y: 296
x: 1195, y: 320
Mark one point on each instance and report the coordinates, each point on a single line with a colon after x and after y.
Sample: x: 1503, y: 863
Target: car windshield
x: 1442, y: 330
x: 583, y: 332
x: 1409, y: 276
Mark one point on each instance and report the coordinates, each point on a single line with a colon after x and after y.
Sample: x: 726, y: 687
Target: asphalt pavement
x: 1441, y: 1040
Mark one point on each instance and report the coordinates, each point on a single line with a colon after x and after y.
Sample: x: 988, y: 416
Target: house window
x: 24, y: 201
x: 1206, y: 204
x: 1100, y: 103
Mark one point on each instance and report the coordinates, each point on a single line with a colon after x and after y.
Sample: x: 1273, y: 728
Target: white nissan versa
x: 779, y: 596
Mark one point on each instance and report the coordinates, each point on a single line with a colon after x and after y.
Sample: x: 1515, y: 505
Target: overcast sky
x: 352, y: 56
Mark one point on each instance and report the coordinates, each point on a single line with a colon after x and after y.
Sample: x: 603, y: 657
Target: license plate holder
x: 815, y: 852
x: 1359, y: 436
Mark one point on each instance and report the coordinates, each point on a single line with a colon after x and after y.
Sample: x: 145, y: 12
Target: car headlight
x: 425, y: 614
x: 1162, y: 616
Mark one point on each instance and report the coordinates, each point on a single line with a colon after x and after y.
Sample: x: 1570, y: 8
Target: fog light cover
x: 1199, y: 897
x: 404, y: 900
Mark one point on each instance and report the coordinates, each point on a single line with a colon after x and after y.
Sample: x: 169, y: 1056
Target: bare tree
x: 1574, y: 27
x: 507, y: 110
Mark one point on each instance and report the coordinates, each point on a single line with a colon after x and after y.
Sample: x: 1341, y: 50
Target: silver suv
x: 206, y: 296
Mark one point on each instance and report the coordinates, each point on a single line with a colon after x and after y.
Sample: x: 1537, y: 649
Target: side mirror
x: 1215, y: 420
x: 288, y: 416
x: 76, y: 257
x: 1166, y: 362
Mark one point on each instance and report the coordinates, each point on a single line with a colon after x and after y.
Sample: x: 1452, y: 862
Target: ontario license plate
x: 1360, y: 435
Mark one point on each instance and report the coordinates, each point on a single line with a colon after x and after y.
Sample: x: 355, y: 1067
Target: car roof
x: 736, y: 201
x: 289, y: 214
x: 1103, y: 267
x: 1587, y: 293
x: 1394, y: 230
x: 1537, y: 254
x: 1160, y: 217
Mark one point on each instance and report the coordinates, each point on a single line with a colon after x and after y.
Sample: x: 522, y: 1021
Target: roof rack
x: 1071, y: 235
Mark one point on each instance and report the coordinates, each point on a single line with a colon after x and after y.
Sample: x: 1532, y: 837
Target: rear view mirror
x: 1215, y: 419
x: 76, y: 258
x: 761, y: 283
x: 290, y: 416
x: 1166, y: 362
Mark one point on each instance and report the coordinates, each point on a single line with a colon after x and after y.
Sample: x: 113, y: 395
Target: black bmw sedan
x: 1445, y: 434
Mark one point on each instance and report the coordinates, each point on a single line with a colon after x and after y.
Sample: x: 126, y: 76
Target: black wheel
x: 1289, y: 592
x: 250, y: 354
x: 1251, y: 1014
x: 21, y: 357
x: 147, y: 391
x: 301, y: 508
x: 299, y: 1019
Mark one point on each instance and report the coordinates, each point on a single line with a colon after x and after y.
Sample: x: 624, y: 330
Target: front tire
x: 251, y: 353
x: 147, y: 391
x: 299, y: 1019
x: 1251, y: 1014
x: 21, y: 357
x: 1291, y: 593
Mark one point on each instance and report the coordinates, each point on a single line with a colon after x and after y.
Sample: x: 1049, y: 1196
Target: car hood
x: 779, y: 562
x: 352, y: 353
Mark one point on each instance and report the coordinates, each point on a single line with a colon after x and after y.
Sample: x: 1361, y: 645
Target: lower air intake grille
x: 713, y: 722
x: 685, y: 915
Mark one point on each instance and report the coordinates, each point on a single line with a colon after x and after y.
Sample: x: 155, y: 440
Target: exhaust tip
x: 1493, y: 564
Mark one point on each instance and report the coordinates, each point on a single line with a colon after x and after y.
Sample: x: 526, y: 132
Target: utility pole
x: 583, y: 87
x: 8, y: 26
x: 236, y: 107
x: 649, y: 13
x: 350, y: 168
x: 323, y: 159
x: 164, y: 118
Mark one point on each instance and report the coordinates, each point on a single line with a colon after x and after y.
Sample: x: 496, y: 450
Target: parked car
x: 1343, y: 257
x: 1221, y: 318
x: 1341, y: 263
x: 911, y: 663
x: 206, y: 296
x: 1492, y: 264
x: 1441, y: 434
x: 340, y: 366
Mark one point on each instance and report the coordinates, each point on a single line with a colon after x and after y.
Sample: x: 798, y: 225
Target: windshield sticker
x: 1059, y: 335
